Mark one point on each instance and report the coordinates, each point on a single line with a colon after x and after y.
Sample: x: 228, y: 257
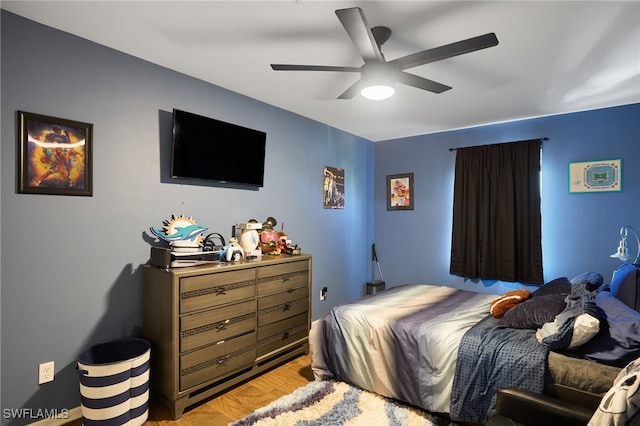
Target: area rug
x: 331, y: 403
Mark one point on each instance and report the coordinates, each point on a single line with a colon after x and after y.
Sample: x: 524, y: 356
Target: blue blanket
x: 491, y: 357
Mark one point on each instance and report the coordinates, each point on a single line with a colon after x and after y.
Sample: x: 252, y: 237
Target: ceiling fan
x: 379, y: 74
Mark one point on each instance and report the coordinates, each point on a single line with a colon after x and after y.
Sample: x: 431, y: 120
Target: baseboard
x: 73, y: 414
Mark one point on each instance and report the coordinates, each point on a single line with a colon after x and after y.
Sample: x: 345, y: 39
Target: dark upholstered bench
x: 518, y: 407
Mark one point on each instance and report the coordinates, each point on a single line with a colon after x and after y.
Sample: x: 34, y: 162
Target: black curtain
x: 496, y: 213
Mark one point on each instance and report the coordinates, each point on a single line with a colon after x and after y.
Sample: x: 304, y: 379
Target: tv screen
x: 209, y: 149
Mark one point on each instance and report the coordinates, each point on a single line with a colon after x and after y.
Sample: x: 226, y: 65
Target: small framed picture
x: 595, y: 176
x: 55, y: 155
x: 333, y: 187
x: 400, y: 192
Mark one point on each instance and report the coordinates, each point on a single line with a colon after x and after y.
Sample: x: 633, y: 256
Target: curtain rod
x: 455, y: 149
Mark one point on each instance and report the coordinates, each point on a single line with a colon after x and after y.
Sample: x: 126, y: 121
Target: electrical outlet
x: 323, y: 293
x: 46, y: 371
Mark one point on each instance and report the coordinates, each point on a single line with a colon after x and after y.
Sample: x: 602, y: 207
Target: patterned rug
x: 336, y: 404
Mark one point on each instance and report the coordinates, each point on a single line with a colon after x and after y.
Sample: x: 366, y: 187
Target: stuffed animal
x: 269, y: 239
x: 502, y: 304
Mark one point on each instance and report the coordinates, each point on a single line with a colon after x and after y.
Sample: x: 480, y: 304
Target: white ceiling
x: 552, y: 57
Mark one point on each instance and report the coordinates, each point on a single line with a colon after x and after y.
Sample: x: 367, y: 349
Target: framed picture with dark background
x: 333, y: 187
x: 400, y: 192
x: 55, y: 155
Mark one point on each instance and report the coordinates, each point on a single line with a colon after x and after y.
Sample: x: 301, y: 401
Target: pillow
x: 593, y: 280
x: 577, y: 324
x: 585, y: 328
x: 618, y: 342
x: 502, y: 304
x: 624, y: 285
x: 543, y: 306
x: 557, y: 286
x: 533, y: 313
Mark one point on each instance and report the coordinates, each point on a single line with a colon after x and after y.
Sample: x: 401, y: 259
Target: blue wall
x: 579, y: 230
x: 71, y: 266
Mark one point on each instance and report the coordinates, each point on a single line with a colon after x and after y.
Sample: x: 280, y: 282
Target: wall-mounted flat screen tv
x: 208, y: 149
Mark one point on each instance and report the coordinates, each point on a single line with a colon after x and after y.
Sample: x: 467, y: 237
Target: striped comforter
x: 401, y: 343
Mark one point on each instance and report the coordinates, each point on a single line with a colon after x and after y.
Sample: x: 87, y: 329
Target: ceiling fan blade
x: 353, y: 90
x: 446, y: 51
x: 356, y: 25
x: 421, y: 82
x: 285, y: 67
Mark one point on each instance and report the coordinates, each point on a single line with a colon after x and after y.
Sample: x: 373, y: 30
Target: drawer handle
x: 286, y: 307
x: 222, y: 361
x: 222, y: 325
x: 220, y: 291
x: 285, y: 335
x: 285, y: 279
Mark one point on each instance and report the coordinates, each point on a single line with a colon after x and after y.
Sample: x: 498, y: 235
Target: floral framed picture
x: 400, y: 192
x: 55, y: 155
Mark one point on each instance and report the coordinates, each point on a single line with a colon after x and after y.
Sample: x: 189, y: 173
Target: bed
x: 438, y: 348
x: 400, y: 343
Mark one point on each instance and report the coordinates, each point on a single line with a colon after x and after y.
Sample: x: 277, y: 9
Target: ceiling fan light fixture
x: 368, y: 41
x: 378, y: 90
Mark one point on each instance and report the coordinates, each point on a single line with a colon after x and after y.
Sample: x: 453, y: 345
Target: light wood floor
x: 239, y: 401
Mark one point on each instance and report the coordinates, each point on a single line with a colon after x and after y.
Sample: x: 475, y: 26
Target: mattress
x: 401, y: 343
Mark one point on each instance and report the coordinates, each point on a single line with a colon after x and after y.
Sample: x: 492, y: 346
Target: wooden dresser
x: 213, y: 326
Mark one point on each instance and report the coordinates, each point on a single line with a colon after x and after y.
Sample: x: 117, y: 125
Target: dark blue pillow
x: 618, y: 342
x: 624, y: 285
x: 593, y: 280
x: 542, y: 307
x: 558, y: 286
x: 534, y: 312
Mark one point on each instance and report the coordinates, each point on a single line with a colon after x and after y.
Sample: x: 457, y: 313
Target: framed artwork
x: 595, y: 176
x: 400, y: 192
x: 333, y: 187
x: 54, y: 155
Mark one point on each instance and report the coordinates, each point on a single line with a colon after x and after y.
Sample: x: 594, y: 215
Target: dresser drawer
x: 283, y: 297
x: 204, y: 291
x: 214, y: 325
x: 275, y: 278
x: 281, y: 311
x: 274, y: 336
x: 214, y: 361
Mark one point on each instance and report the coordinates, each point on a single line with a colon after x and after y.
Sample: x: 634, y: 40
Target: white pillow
x: 584, y: 329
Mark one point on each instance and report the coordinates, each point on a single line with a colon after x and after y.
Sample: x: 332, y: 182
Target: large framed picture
x: 55, y: 155
x: 595, y: 176
x: 400, y: 192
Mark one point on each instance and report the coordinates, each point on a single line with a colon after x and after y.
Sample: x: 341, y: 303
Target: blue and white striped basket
x: 114, y: 383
